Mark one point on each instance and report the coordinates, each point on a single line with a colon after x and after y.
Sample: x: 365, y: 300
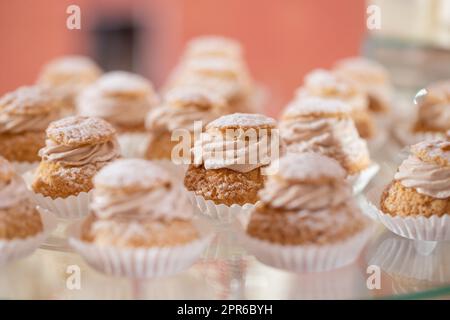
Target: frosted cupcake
x: 67, y: 76
x: 324, y: 126
x: 123, y: 99
x: 141, y: 222
x: 24, y: 115
x: 229, y: 162
x: 307, y: 219
x: 181, y: 108
x: 416, y: 204
x: 76, y: 149
x: 372, y: 76
x: 325, y: 84
x: 21, y: 225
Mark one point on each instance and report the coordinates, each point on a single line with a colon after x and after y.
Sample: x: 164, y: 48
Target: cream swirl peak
x: 240, y: 142
x: 81, y: 155
x: 427, y: 170
x: 134, y: 189
x: 306, y: 182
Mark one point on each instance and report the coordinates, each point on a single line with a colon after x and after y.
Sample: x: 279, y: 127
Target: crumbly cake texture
x: 131, y: 175
x: 121, y: 83
x: 364, y: 124
x: 242, y: 120
x: 398, y: 200
x: 435, y: 151
x: 147, y: 233
x: 57, y: 181
x: 224, y: 186
x: 77, y: 131
x: 184, y: 96
x: 20, y: 221
x: 29, y: 100
x: 69, y: 69
x: 278, y: 226
x: 23, y: 147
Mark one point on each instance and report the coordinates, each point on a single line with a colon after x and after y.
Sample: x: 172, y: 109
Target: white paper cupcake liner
x: 139, y: 263
x: 133, y: 144
x: 362, y: 179
x: 18, y: 248
x: 72, y: 207
x: 432, y: 228
x: 307, y: 258
x: 22, y: 167
x: 220, y: 212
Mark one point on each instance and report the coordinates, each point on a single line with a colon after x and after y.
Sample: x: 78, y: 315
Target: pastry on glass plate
x: 325, y: 126
x: 323, y: 83
x: 123, y: 99
x: 416, y: 203
x: 22, y: 228
x: 76, y: 149
x: 307, y: 219
x: 229, y: 162
x: 141, y: 222
x: 25, y: 113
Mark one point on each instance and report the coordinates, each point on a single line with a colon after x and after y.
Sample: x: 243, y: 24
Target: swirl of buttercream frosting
x: 12, y: 192
x: 426, y: 177
x: 79, y: 155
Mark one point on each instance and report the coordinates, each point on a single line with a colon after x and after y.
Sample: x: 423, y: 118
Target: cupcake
x: 213, y: 46
x: 324, y: 125
x: 76, y: 149
x: 123, y: 99
x: 181, y: 107
x: 140, y: 222
x: 372, y: 76
x: 416, y: 204
x: 307, y: 219
x: 24, y: 115
x: 230, y: 160
x: 22, y: 228
x: 434, y: 109
x: 67, y: 76
x: 325, y: 84
x: 19, y: 218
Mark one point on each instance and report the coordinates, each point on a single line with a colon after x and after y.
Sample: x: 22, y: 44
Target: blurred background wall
x: 282, y: 39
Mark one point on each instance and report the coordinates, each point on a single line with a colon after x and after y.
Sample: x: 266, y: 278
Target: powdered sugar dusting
x: 193, y: 95
x: 309, y: 105
x: 214, y: 45
x: 125, y: 173
x: 436, y: 149
x: 72, y: 64
x: 78, y: 130
x: 28, y: 100
x: 121, y: 81
x: 245, y: 120
x: 309, y: 166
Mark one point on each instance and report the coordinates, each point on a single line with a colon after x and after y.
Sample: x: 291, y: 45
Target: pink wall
x: 283, y: 39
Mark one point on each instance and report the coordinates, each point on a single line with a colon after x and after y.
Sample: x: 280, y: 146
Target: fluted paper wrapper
x: 71, y: 208
x: 14, y: 249
x: 307, y: 258
x: 139, y: 263
x: 133, y: 144
x: 220, y: 212
x: 432, y: 228
x: 361, y: 180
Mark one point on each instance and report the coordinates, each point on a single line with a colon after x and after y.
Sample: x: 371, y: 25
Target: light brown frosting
x: 79, y: 155
x: 12, y: 192
x: 242, y: 148
x: 153, y: 192
x: 426, y: 177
